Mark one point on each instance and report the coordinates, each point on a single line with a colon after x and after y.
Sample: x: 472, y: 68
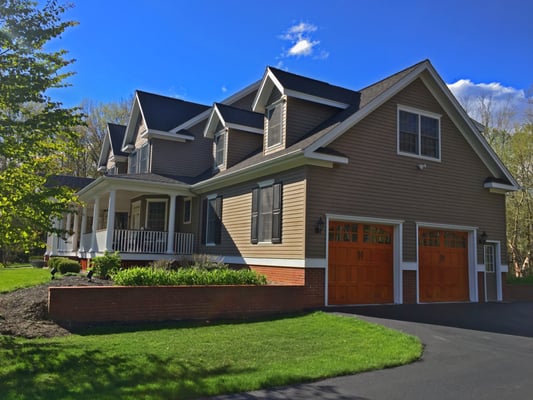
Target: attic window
x: 220, y: 145
x: 274, y: 117
x: 418, y: 133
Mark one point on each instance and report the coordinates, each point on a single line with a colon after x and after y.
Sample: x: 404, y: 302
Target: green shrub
x: 203, y: 261
x: 104, y: 266
x: 143, y: 276
x: 53, y: 262
x: 65, y: 266
x: 516, y: 280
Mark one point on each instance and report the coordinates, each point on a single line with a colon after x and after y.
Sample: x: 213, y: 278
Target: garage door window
x: 376, y: 235
x: 451, y: 239
x: 343, y: 232
x: 430, y: 239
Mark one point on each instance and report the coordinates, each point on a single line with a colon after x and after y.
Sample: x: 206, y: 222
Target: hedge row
x: 143, y: 276
x: 64, y: 265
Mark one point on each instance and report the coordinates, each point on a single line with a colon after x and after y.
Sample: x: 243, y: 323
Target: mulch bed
x: 24, y: 312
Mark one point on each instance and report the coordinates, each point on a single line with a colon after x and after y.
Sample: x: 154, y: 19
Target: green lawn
x: 184, y: 360
x: 20, y: 277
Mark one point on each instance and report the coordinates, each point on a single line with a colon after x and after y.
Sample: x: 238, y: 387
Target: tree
x: 34, y: 130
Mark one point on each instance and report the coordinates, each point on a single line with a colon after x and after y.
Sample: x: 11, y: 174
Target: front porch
x: 143, y: 221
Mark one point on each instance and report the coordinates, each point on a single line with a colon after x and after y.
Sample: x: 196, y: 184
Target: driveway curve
x: 472, y: 351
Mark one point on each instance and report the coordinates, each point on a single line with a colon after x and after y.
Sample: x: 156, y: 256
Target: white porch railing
x: 151, y: 242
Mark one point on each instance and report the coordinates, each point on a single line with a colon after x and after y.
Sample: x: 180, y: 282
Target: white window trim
x: 281, y: 101
x: 420, y: 113
x: 156, y: 201
x: 221, y: 132
x: 189, y: 200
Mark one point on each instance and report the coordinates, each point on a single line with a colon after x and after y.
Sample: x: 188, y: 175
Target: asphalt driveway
x: 472, y: 351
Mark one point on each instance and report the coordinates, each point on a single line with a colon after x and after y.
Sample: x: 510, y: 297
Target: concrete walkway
x: 472, y: 351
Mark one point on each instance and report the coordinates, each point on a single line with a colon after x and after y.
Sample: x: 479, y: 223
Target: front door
x: 491, y: 283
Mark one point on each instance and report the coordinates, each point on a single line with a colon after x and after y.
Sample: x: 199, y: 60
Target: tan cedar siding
x: 275, y: 96
x: 189, y: 158
x: 381, y: 184
x: 236, y: 220
x: 246, y: 102
x: 303, y: 116
x: 241, y: 144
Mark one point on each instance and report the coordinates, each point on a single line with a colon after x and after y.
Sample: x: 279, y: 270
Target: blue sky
x: 203, y: 51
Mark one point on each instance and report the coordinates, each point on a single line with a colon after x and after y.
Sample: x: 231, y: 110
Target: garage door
x: 443, y: 265
x: 360, y: 265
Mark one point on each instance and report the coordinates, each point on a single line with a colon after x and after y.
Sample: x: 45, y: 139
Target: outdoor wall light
x: 319, y: 227
x: 483, y: 238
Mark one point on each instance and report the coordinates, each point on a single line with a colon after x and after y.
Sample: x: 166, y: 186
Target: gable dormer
x: 112, y: 159
x: 293, y: 105
x: 236, y: 133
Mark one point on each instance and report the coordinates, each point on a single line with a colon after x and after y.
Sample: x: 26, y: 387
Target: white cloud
x: 224, y: 89
x: 302, y: 45
x: 494, y: 97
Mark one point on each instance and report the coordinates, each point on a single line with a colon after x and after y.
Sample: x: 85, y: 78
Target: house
x: 388, y: 194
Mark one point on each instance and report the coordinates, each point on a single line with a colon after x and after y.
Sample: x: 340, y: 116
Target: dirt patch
x: 24, y: 312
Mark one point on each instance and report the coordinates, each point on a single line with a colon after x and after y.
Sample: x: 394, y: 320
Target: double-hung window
x: 156, y: 215
x: 187, y: 210
x: 418, y: 133
x: 274, y: 116
x: 220, y: 148
x: 266, y: 213
x: 144, y: 156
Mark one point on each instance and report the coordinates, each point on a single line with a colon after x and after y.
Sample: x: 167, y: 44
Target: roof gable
x: 112, y: 143
x: 304, y: 88
x: 232, y: 117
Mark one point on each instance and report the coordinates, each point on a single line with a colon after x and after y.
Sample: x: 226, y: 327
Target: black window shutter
x: 276, y: 213
x: 255, y: 215
x: 204, y: 220
x: 218, y: 225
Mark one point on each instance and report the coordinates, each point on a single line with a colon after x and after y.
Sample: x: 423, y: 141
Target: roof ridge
x: 395, y: 74
x: 168, y: 97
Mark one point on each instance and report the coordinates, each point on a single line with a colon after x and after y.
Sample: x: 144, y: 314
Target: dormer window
x: 220, y: 148
x: 274, y: 115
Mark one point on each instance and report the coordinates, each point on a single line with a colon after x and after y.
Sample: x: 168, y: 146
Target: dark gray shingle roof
x: 234, y: 115
x: 74, y: 182
x: 116, y: 133
x: 165, y: 113
x: 314, y: 87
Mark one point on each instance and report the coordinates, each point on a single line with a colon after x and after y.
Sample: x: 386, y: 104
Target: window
x: 220, y: 151
x: 144, y: 156
x: 490, y: 258
x: 187, y: 211
x: 133, y: 162
x: 274, y: 118
x: 419, y: 133
x: 212, y: 220
x: 156, y: 211
x: 139, y: 160
x: 266, y: 214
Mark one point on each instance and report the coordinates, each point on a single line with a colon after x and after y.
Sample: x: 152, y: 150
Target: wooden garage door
x: 443, y: 265
x: 360, y: 263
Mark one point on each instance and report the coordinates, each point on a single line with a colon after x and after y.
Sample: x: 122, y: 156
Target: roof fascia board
x: 228, y: 101
x: 211, y: 125
x: 500, y: 187
x: 268, y: 167
x: 315, y: 99
x: 105, y: 149
x: 368, y: 109
x: 471, y: 125
x: 245, y: 128
x: 326, y: 157
x: 191, y: 122
x: 268, y: 82
x: 106, y: 183
x: 128, y: 136
x: 175, y: 137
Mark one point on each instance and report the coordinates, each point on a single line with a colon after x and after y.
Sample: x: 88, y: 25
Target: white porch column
x: 110, y: 227
x: 171, y: 224
x: 96, y: 212
x: 83, y: 228
x: 76, y: 232
x: 54, y: 239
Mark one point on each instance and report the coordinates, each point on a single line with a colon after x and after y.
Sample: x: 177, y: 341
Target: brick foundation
x: 481, y: 287
x: 128, y: 304
x: 409, y: 287
x: 281, y: 275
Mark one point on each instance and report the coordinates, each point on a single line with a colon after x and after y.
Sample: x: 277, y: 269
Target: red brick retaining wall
x: 128, y: 304
x: 409, y: 287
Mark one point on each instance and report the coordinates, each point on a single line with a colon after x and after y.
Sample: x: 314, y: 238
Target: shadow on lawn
x: 36, y: 370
